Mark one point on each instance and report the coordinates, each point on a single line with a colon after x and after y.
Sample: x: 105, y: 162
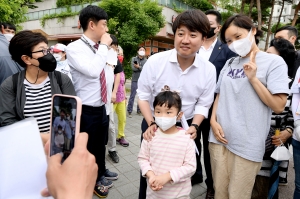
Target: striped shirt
x: 174, y: 153
x: 38, y: 103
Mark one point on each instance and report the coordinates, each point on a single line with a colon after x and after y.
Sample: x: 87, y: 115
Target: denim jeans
x: 296, y: 154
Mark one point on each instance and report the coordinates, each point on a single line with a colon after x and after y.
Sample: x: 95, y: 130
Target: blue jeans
x: 134, y: 87
x: 296, y: 154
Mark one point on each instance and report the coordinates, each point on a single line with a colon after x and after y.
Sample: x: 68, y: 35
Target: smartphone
x: 65, y: 123
x: 135, y: 62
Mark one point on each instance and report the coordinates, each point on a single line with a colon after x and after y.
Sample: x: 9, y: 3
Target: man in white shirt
x: 184, y: 71
x: 87, y: 60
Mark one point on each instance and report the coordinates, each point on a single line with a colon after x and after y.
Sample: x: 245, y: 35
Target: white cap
x: 59, y: 48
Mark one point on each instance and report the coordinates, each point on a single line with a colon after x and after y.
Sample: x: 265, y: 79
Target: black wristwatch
x: 196, y: 126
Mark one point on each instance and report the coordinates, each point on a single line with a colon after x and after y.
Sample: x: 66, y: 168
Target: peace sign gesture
x: 250, y: 68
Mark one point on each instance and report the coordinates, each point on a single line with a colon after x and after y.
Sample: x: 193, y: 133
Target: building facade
x: 66, y: 30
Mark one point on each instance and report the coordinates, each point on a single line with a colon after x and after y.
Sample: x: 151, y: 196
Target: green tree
x: 203, y: 5
x: 132, y: 22
x: 13, y: 11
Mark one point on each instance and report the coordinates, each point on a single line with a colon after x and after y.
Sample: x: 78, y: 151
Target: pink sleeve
x: 144, y: 158
x: 188, y: 168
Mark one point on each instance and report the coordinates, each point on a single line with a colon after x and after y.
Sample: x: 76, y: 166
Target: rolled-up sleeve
x: 206, y: 99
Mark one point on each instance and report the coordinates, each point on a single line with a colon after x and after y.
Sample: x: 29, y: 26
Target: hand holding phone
x: 65, y: 121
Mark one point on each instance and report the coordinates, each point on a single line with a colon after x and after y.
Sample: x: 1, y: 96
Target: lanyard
x: 88, y: 44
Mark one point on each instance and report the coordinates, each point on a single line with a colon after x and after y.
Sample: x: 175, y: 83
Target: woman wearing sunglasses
x: 28, y: 93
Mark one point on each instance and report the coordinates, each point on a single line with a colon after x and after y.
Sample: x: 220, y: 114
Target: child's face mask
x: 165, y: 122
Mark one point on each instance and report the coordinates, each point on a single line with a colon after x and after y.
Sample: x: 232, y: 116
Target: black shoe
x: 114, y: 156
x: 210, y: 194
x: 196, y: 180
x: 283, y: 181
x: 110, y: 175
x: 100, y: 191
x: 105, y: 182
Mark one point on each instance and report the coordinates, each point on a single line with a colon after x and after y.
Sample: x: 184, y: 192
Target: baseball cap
x: 59, y: 48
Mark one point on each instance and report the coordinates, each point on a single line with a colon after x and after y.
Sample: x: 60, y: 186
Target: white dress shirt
x: 85, y: 67
x: 196, y: 84
x: 206, y: 53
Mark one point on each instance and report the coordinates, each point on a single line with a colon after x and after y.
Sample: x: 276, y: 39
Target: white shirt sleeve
x: 206, y: 99
x: 82, y: 62
x: 145, y: 83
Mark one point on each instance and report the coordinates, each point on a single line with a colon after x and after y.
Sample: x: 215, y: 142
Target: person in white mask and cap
x: 59, y: 52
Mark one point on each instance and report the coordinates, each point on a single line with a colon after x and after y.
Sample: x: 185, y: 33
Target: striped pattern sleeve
x: 144, y: 158
x: 188, y: 167
x: 38, y: 105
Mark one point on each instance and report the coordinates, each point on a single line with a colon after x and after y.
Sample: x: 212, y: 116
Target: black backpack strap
x: 58, y: 78
x: 15, y: 82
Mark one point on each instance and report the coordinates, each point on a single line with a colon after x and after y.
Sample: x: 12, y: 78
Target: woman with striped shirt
x: 28, y: 93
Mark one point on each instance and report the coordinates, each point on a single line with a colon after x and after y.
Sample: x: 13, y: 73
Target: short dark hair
x: 258, y: 35
x: 9, y: 26
x: 91, y: 13
x: 62, y: 110
x: 241, y: 21
x: 169, y: 98
x: 194, y: 20
x: 216, y: 13
x: 292, y: 31
x: 23, y: 43
x: 114, y: 40
x: 141, y: 47
x: 286, y: 51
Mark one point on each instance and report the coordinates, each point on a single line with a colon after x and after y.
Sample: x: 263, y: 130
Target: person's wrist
x: 104, y: 44
x: 254, y: 80
x: 289, y: 130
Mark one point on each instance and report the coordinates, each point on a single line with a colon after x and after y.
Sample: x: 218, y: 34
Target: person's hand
x: 218, y: 132
x: 250, y: 68
x: 161, y: 180
x: 106, y: 39
x: 284, y: 136
x: 76, y: 177
x: 192, y: 131
x: 136, y: 66
x: 113, y: 97
x: 45, y: 137
x: 150, y: 132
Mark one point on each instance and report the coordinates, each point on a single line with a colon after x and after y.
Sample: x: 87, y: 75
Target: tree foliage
x: 203, y: 5
x: 132, y: 22
x: 63, y: 3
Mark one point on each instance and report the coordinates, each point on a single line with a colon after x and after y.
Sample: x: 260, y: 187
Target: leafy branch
x: 59, y: 16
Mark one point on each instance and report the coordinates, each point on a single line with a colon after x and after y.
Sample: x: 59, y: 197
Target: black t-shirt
x: 118, y: 68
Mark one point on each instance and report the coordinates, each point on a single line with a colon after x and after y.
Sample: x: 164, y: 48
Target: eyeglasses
x: 44, y: 51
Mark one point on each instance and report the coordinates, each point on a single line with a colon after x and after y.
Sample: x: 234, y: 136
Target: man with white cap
x: 59, y: 52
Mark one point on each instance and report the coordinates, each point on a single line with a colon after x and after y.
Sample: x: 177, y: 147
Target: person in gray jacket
x: 29, y: 92
x: 137, y: 64
x: 8, y: 66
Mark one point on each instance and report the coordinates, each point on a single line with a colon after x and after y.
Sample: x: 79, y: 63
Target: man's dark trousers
x: 143, y: 182
x: 95, y: 123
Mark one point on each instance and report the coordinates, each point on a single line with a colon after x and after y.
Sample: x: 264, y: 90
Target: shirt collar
x: 173, y: 58
x: 212, y: 45
x: 88, y: 40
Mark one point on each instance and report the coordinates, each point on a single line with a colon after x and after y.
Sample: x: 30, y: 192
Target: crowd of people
x: 216, y: 82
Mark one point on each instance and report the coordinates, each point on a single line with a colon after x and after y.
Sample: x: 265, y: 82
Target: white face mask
x: 59, y: 132
x: 68, y: 118
x: 242, y: 46
x: 57, y: 57
x: 165, y: 122
x: 142, y: 53
x: 8, y: 36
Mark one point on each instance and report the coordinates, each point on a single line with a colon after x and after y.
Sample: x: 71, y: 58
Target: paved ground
x: 127, y: 186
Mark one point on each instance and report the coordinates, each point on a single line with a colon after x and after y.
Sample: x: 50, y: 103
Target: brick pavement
x: 127, y: 186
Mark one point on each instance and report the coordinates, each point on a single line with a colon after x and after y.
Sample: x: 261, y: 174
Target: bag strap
x: 58, y: 78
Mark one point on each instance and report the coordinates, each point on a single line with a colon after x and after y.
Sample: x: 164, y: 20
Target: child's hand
x: 161, y: 180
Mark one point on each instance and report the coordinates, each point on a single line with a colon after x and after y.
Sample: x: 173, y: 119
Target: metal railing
x: 76, y: 8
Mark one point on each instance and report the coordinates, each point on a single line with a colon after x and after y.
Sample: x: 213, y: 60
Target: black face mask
x: 211, y: 33
x: 47, y: 63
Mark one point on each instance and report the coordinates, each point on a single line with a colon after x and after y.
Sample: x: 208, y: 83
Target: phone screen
x: 63, y: 126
